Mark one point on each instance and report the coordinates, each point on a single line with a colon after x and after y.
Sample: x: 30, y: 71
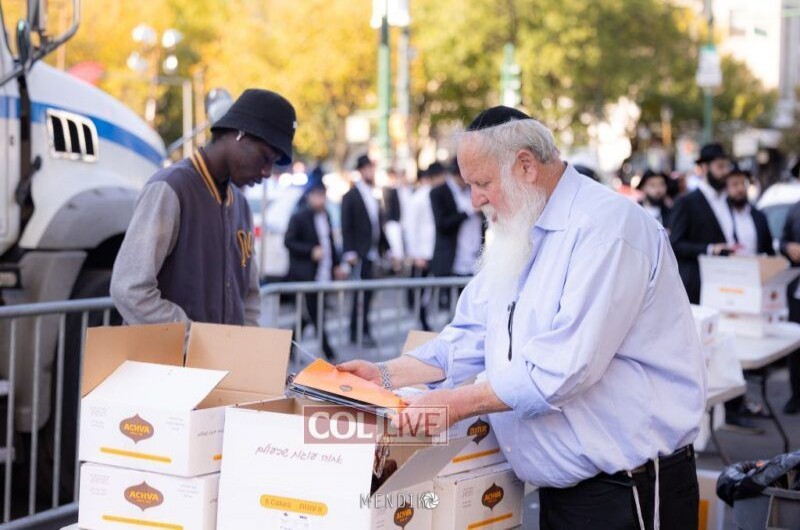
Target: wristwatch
x: 386, y: 380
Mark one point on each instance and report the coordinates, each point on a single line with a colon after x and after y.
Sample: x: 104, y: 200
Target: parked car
x: 775, y: 202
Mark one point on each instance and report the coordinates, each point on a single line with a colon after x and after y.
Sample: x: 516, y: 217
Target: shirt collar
x: 559, y: 206
x: 710, y: 192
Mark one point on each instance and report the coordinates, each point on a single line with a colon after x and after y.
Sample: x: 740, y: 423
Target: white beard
x: 509, y: 248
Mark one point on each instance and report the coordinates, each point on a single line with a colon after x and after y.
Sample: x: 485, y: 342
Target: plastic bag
x: 748, y: 479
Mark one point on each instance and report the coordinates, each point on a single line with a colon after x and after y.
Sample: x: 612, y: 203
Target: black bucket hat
x: 265, y: 115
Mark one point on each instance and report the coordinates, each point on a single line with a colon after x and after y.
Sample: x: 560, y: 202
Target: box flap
x: 729, y: 271
x: 256, y: 358
x: 158, y: 385
x: 771, y: 267
x: 784, y: 277
x: 423, y: 465
x: 416, y: 339
x: 108, y: 347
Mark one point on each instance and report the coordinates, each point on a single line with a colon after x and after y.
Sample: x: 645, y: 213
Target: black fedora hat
x: 364, y: 161
x: 265, y: 115
x: 711, y: 152
x: 649, y: 174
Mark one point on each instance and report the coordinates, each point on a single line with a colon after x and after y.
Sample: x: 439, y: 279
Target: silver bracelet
x: 386, y: 380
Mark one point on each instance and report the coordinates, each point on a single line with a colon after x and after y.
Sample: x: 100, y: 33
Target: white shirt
x: 654, y: 211
x: 607, y: 369
x: 745, y: 229
x: 421, y: 227
x: 324, y: 235
x: 719, y: 204
x: 373, y: 210
x: 470, y: 233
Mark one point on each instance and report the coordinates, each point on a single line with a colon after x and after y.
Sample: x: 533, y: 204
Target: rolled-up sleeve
x: 459, y: 348
x: 597, y: 309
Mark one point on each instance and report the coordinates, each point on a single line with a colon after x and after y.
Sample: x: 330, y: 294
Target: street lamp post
x: 384, y: 89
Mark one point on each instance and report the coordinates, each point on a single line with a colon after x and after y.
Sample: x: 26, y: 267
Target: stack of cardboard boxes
x: 152, y: 421
x: 750, y: 292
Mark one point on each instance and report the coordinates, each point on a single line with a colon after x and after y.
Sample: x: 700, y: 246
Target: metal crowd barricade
x: 41, y: 348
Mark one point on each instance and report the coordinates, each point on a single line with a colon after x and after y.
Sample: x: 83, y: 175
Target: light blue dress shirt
x: 606, y: 368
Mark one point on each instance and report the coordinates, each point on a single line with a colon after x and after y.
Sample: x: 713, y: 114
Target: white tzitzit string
x: 656, y: 508
x: 636, y: 500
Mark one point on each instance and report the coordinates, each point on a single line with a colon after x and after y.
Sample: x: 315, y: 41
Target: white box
x: 750, y: 285
x: 142, y: 409
x: 404, y: 509
x: 487, y: 498
x: 272, y: 474
x: 114, y: 498
x: 482, y: 450
x: 756, y: 326
x: 712, y: 508
x: 706, y: 321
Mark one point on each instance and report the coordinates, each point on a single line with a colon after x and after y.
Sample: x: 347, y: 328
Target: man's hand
x: 793, y: 250
x: 339, y: 273
x: 316, y: 253
x: 460, y: 403
x: 363, y: 369
x: 352, y: 260
x: 421, y: 264
x: 720, y: 249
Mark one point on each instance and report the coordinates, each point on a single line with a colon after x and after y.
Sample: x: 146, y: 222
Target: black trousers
x: 794, y: 358
x: 310, y: 312
x: 606, y: 502
x: 424, y: 296
x: 366, y: 274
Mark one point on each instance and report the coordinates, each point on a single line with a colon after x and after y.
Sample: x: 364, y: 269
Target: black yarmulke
x: 496, y: 116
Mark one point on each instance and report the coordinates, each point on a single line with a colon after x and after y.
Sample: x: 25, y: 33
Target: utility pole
x: 708, y: 103
x: 384, y: 90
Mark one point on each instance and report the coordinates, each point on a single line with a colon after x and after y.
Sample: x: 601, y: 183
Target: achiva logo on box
x: 403, y: 515
x: 144, y: 496
x: 492, y: 497
x: 478, y: 431
x: 136, y: 428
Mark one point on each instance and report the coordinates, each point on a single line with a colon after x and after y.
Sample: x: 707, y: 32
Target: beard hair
x: 503, y: 258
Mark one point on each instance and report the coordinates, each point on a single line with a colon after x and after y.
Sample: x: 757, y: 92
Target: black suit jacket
x: 693, y: 226
x: 791, y: 234
x: 391, y: 204
x: 763, y: 235
x: 357, y: 226
x: 300, y: 239
x: 448, y: 219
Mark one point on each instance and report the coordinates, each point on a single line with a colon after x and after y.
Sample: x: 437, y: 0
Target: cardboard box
x: 487, y: 498
x: 409, y: 509
x: 113, y: 498
x: 272, y: 475
x: 756, y: 326
x: 142, y: 408
x: 749, y: 285
x: 482, y: 450
x: 706, y: 320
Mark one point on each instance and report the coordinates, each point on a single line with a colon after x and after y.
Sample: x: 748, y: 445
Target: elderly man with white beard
x: 595, y: 382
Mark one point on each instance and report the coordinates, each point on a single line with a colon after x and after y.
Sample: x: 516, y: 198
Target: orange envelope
x: 324, y: 376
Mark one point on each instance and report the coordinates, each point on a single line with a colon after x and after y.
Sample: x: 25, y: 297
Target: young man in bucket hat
x: 188, y: 252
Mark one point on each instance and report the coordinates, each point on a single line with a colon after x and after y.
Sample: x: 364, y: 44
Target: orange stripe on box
x: 732, y: 290
x: 141, y: 522
x: 133, y: 454
x: 473, y: 456
x: 217, y: 457
x: 487, y: 522
x: 703, y: 523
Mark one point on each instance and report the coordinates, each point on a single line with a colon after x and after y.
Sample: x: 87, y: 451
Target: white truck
x: 72, y: 161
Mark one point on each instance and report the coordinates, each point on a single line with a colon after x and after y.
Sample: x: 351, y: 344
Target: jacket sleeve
x: 763, y: 234
x: 348, y: 223
x: 150, y: 238
x: 252, y: 302
x: 679, y: 222
x: 786, y: 235
x: 447, y: 221
x: 293, y: 240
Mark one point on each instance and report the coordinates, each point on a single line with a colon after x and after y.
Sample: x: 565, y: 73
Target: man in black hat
x: 363, y: 239
x: 313, y: 255
x: 751, y: 233
x: 701, y: 221
x: 654, y: 202
x: 188, y: 252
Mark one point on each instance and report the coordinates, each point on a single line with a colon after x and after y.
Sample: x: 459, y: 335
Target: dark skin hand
x: 245, y: 162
